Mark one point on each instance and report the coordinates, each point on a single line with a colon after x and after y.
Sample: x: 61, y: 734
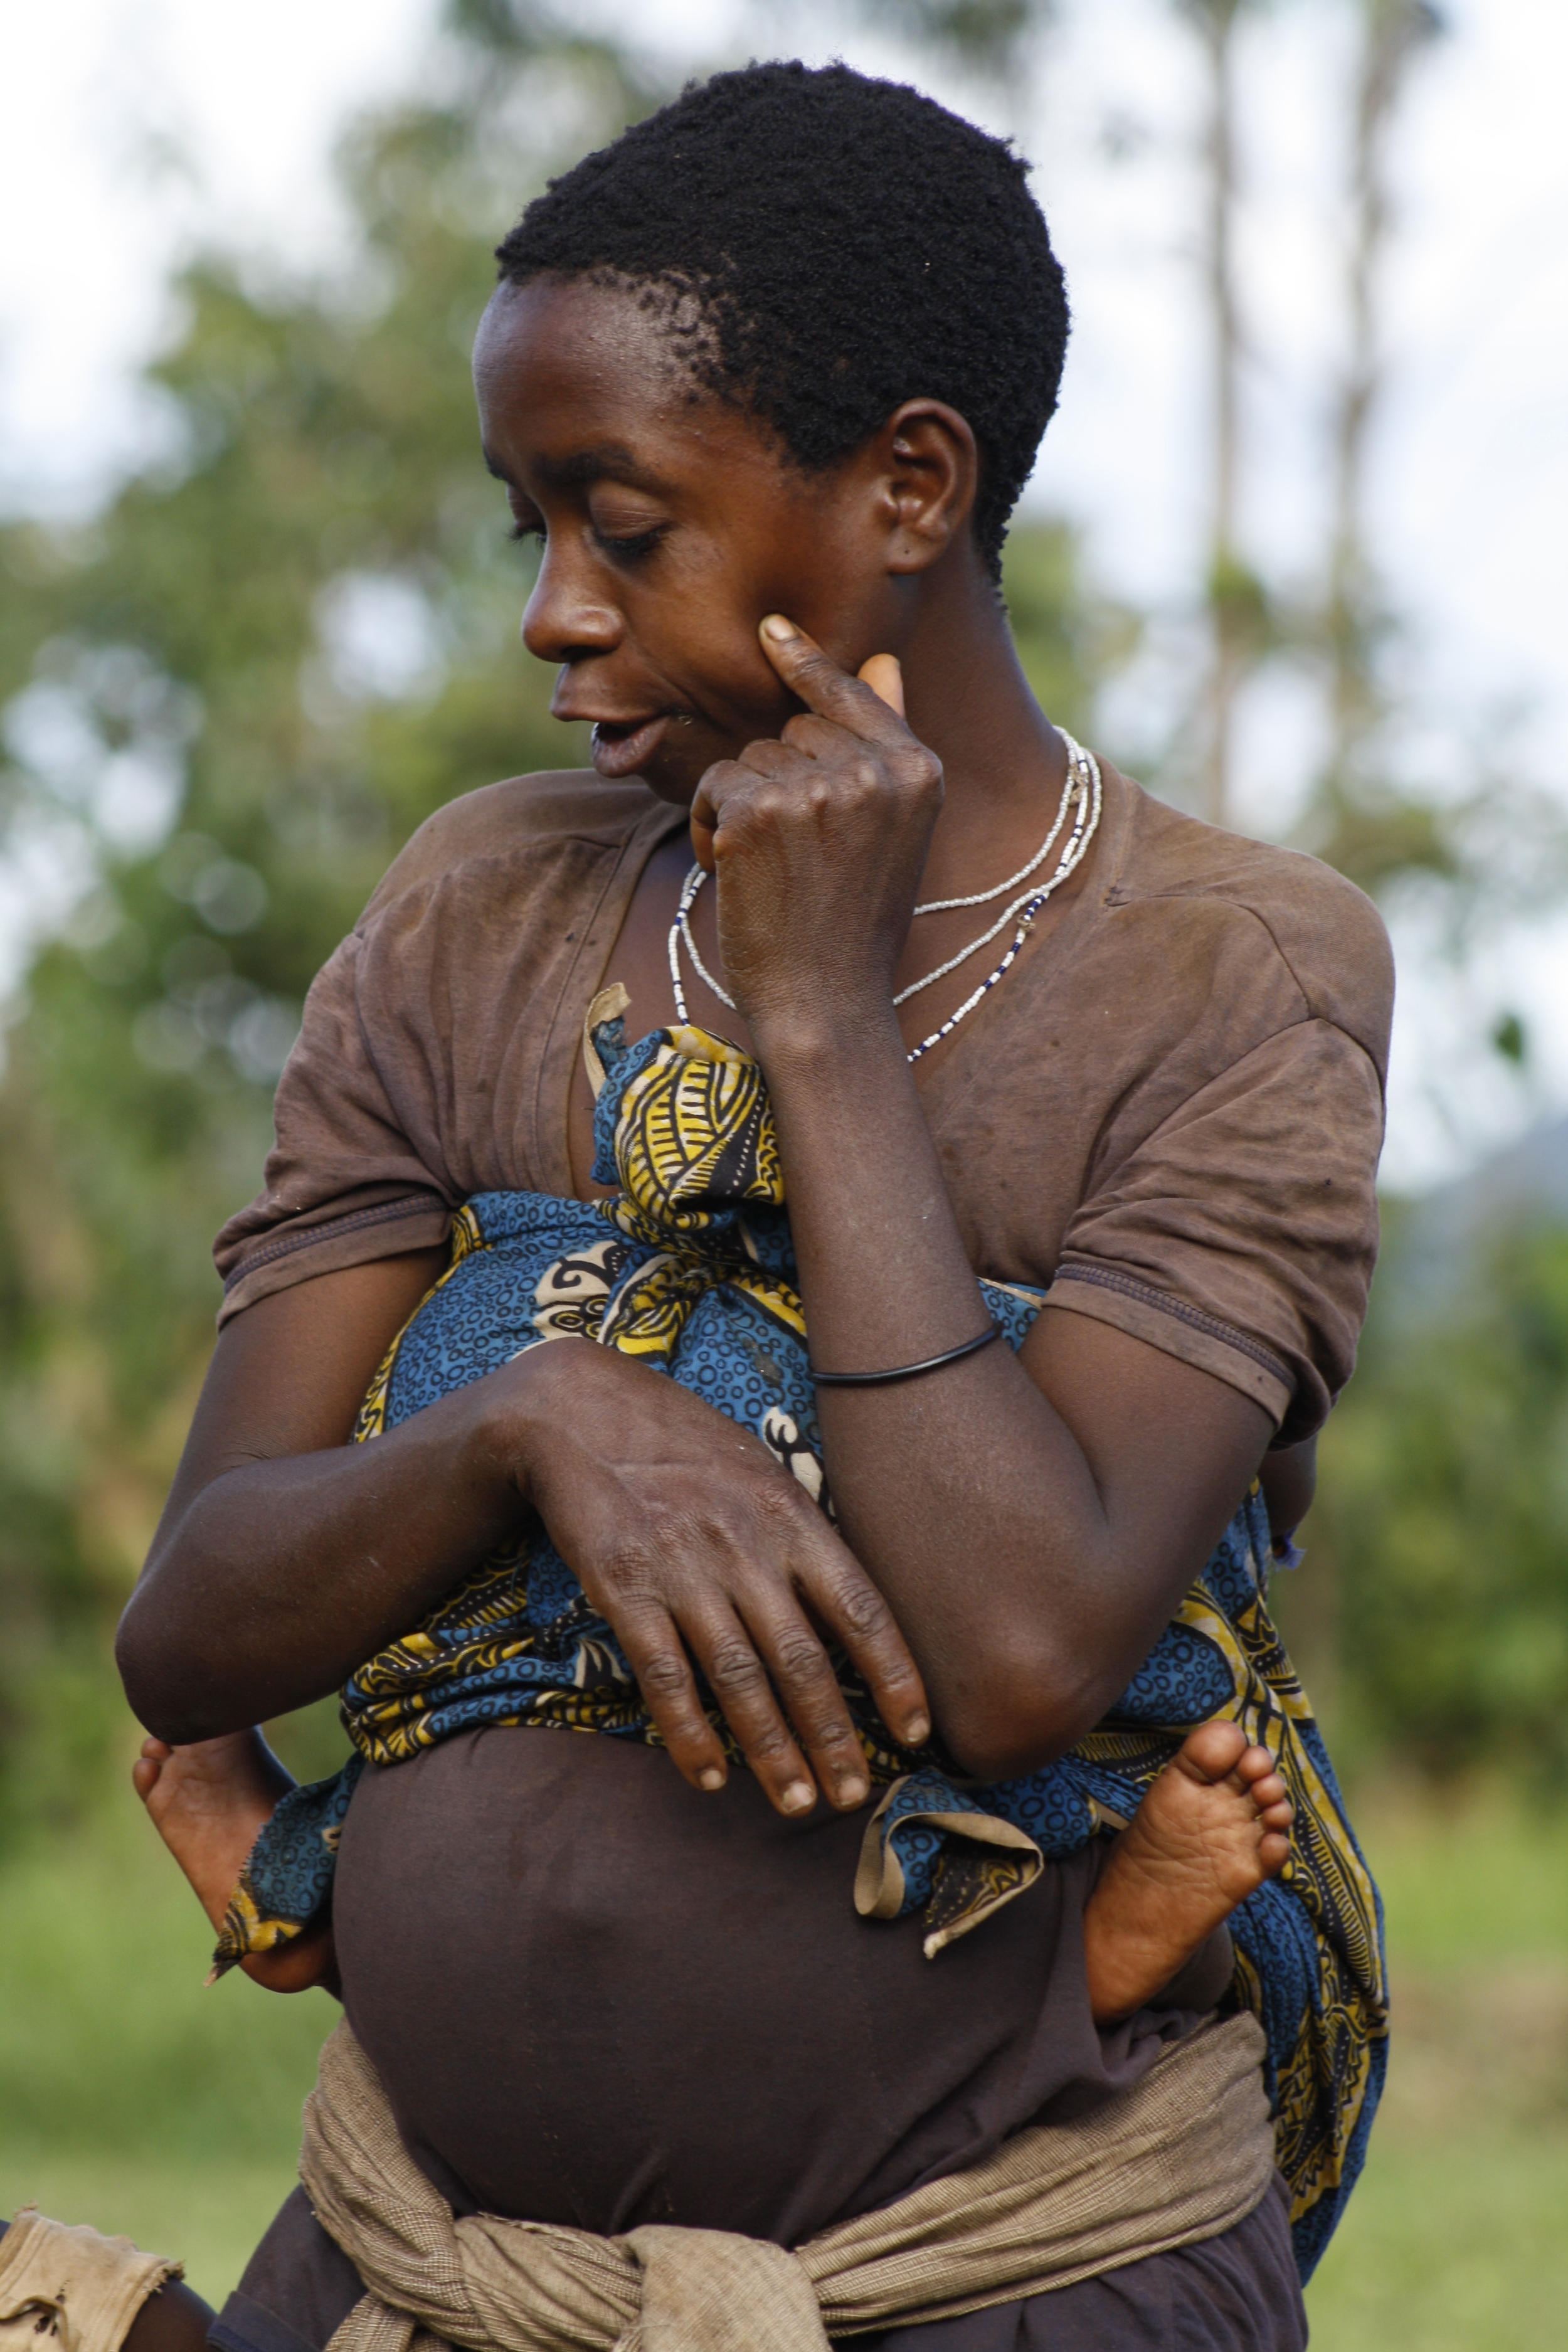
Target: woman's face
x: 670, y: 525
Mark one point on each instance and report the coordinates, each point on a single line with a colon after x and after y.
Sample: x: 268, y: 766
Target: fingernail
x: 710, y: 1777
x: 852, y: 1792
x: 779, y: 630
x: 799, y: 1797
x: 918, y: 1731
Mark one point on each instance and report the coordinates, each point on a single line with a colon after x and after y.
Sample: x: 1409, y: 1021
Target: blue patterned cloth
x: 690, y: 1268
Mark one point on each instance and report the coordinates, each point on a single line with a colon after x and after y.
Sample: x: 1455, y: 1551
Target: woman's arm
x: 286, y: 1556
x: 1289, y: 1476
x: 1032, y: 1522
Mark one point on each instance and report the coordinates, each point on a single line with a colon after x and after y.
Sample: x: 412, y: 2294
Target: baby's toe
x: 1273, y: 1852
x: 1213, y: 1750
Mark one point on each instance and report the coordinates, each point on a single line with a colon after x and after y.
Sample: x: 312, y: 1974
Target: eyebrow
x: 606, y: 461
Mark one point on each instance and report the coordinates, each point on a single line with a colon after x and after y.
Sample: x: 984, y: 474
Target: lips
x: 620, y: 749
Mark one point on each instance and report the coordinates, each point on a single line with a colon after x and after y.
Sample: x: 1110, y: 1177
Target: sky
x: 132, y: 129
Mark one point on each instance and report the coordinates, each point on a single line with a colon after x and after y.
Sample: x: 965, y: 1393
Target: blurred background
x: 1295, y: 553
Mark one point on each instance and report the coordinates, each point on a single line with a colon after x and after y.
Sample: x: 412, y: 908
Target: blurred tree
x: 232, y: 699
x: 1238, y: 611
x: 1443, y: 1521
x: 236, y: 694
x: 1365, y: 826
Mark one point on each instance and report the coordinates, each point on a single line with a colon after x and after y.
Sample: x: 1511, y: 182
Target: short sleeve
x: 1240, y: 1235
x: 342, y: 1184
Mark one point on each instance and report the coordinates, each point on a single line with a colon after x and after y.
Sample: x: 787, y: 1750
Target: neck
x: 1003, y: 764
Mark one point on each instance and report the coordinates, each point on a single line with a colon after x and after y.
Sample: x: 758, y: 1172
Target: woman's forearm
x: 1027, y: 1572
x: 280, y: 1577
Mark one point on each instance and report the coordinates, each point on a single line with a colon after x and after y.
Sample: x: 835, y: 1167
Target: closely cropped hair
x: 830, y: 246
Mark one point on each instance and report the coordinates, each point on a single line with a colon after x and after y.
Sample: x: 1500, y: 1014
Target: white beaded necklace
x: 1080, y: 795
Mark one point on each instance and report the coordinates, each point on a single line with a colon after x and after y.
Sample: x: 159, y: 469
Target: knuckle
x: 626, y: 1569
x: 777, y: 1498
x: 735, y: 1670
x: 918, y: 770
x: 862, y: 1609
x: 799, y: 1657
x: 831, y: 1736
x: 766, y: 1746
x: 664, y: 1675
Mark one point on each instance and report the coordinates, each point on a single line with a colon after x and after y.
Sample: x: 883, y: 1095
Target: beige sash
x: 1182, y: 2155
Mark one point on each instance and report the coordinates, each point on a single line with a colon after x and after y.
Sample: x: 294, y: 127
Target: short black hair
x: 841, y: 244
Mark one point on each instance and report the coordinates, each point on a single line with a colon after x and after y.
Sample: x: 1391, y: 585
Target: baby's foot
x: 1213, y: 1827
x: 209, y: 1802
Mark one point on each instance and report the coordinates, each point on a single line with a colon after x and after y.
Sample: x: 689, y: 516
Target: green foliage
x: 131, y: 2096
x: 1442, y: 1531
x: 304, y: 633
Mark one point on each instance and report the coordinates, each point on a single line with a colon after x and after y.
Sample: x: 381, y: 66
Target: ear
x: 928, y: 471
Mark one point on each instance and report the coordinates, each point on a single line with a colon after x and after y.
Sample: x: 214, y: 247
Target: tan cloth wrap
x: 1186, y: 2153
x: 72, y: 2284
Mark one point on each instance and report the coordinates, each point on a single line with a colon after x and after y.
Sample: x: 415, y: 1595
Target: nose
x: 564, y: 620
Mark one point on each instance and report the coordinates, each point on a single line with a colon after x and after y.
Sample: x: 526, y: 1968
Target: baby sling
x: 689, y: 1268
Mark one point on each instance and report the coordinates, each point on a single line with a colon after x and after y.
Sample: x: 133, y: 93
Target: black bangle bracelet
x: 905, y: 1371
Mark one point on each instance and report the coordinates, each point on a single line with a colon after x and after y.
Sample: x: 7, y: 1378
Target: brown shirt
x: 1170, y: 1111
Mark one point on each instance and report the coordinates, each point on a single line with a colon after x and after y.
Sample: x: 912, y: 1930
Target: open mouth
x: 621, y: 747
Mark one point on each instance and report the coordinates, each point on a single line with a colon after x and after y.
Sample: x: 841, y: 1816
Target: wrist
x: 519, y: 1410
x: 811, y: 1042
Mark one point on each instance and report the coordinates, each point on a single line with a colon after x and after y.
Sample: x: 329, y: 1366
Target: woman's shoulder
x: 1284, y: 906
x: 488, y: 834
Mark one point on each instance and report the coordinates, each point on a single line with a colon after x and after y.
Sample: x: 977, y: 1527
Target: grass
x: 132, y: 2098
x: 131, y: 2095
x: 1455, y: 2241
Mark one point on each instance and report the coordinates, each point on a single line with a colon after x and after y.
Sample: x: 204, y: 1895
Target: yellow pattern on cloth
x: 1183, y: 2156
x: 64, y: 2284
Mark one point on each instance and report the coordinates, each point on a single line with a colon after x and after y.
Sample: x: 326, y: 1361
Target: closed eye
x: 633, y: 550
x: 534, y: 530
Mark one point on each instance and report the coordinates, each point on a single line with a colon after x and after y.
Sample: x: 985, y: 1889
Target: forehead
x: 566, y: 370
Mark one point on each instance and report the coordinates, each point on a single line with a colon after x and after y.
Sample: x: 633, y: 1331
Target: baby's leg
x: 209, y: 1804
x: 1213, y: 1826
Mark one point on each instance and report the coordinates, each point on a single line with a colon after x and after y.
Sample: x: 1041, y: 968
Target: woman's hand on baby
x: 818, y: 840
x: 696, y: 1545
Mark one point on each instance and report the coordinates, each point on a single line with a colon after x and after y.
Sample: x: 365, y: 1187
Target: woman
x: 766, y: 376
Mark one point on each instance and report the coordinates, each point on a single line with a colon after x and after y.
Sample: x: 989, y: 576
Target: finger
x: 739, y: 1680
x: 885, y: 678
x: 850, y: 1604
x: 803, y: 1674
x: 768, y: 757
x: 853, y: 703
x: 658, y: 1658
x: 702, y: 842
x: 723, y: 777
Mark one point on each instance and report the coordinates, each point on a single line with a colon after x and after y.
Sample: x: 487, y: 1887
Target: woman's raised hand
x: 695, y: 1543
x: 818, y: 840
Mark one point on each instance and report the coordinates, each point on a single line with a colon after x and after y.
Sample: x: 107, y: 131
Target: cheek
x: 697, y: 627
x: 824, y: 574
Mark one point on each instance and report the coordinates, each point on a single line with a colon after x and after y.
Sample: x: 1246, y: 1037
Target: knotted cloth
x: 68, y: 2288
x: 1184, y: 2154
